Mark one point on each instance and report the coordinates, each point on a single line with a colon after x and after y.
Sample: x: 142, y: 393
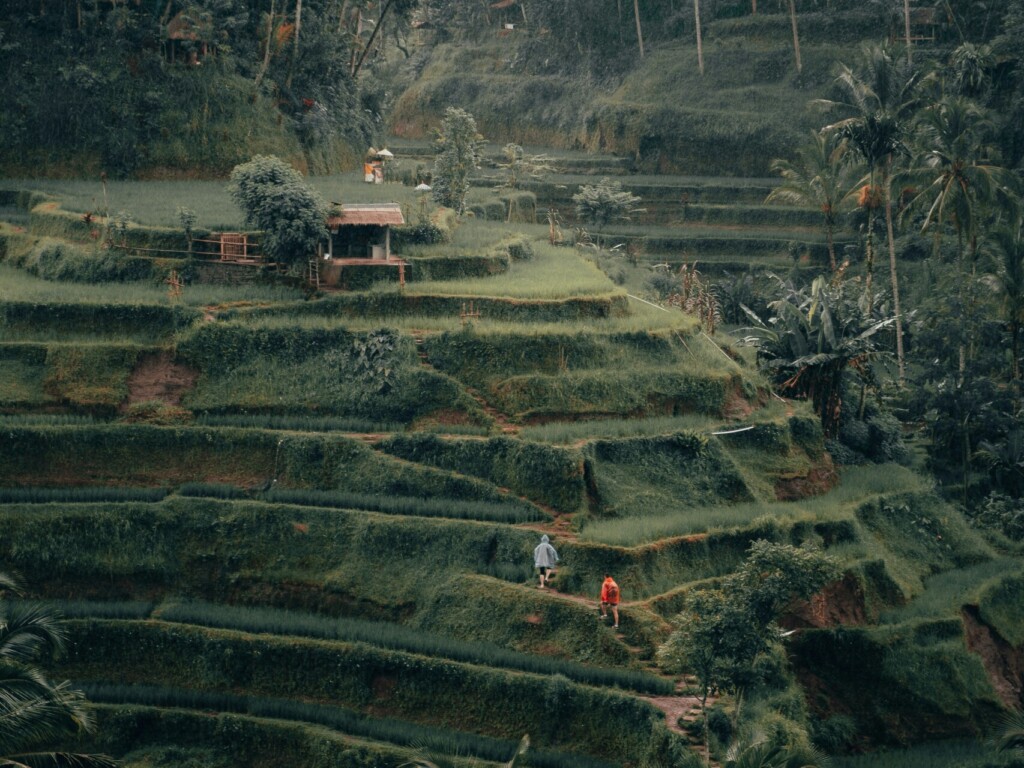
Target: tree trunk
x: 1015, y: 349
x: 639, y: 32
x: 266, y: 51
x: 830, y: 241
x: 700, y: 45
x: 906, y: 29
x: 753, y: 7
x: 295, y: 50
x: 887, y: 199
x: 796, y: 36
x: 369, y: 43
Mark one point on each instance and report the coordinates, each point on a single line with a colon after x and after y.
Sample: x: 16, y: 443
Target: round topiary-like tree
x: 277, y: 200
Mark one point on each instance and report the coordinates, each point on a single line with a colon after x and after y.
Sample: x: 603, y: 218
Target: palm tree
x: 1012, y: 736
x: 1006, y: 279
x: 759, y: 752
x: 959, y: 183
x: 819, y: 178
x: 882, y: 96
x: 33, y: 710
x: 700, y: 42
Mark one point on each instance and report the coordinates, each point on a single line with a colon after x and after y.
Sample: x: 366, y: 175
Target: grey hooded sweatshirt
x: 544, y: 556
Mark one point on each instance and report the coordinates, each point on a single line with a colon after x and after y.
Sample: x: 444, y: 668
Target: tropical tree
x: 276, y: 199
x: 813, y: 338
x: 458, y: 154
x: 34, y: 711
x: 882, y: 95
x: 600, y: 204
x: 759, y: 752
x: 819, y: 177
x: 722, y: 630
x: 959, y: 183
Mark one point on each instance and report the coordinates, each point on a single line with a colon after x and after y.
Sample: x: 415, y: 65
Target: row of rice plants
x: 397, y: 637
x: 75, y: 495
x: 512, y: 512
x: 347, y: 721
x: 859, y: 483
x: 296, y: 423
x: 48, y: 419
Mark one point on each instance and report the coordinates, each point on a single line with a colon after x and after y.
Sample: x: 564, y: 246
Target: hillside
x: 253, y: 525
x: 288, y: 510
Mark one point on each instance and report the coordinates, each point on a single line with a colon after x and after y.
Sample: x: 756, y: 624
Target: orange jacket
x: 605, y: 597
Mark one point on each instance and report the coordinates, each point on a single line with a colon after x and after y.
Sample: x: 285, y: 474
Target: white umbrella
x: 385, y: 153
x: 423, y: 188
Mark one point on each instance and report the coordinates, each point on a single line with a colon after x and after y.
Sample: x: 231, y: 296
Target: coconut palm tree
x: 882, y: 95
x: 33, y: 710
x: 820, y: 177
x: 959, y: 183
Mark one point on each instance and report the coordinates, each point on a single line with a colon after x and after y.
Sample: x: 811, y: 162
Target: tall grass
x: 156, y: 202
x: 859, y: 483
x: 552, y: 273
x: 297, y: 423
x: 351, y: 723
x: 72, y: 495
x: 18, y: 285
x: 945, y: 593
x: 511, y: 513
x: 400, y: 638
x: 959, y: 753
x: 48, y: 419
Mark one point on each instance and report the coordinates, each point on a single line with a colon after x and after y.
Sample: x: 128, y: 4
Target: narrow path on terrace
x: 419, y: 336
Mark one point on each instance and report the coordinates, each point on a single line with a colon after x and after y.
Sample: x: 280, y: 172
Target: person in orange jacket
x: 610, y: 599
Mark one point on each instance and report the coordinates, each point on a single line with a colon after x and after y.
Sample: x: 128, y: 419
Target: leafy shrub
x: 1001, y: 513
x: 834, y: 734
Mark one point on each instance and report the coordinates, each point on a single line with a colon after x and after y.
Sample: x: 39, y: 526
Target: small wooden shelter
x: 188, y: 40
x: 363, y: 230
x: 360, y: 235
x: 509, y: 13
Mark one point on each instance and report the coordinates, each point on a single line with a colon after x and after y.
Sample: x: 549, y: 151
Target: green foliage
x: 924, y: 662
x: 277, y: 200
x: 543, y: 473
x: 458, y: 154
x: 36, y: 713
x: 149, y: 720
x: 605, y: 202
x: 383, y: 635
x: 80, y: 495
x: 599, y: 722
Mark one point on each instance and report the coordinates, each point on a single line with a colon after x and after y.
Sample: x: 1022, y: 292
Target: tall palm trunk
x: 639, y: 32
x: 700, y: 45
x: 266, y: 51
x: 894, y: 278
x: 295, y: 50
x: 796, y: 36
x: 906, y: 29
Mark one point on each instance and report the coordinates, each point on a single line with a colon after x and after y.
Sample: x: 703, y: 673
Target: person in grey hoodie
x: 544, y: 559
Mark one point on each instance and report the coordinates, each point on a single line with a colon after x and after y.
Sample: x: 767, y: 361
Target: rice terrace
x: 576, y: 384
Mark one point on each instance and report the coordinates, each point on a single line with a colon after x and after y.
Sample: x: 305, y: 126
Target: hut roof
x: 379, y: 214
x: 183, y: 27
x: 504, y: 4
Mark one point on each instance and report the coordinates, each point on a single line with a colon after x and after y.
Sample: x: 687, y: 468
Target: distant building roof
x: 183, y: 27
x: 504, y: 4
x: 379, y: 214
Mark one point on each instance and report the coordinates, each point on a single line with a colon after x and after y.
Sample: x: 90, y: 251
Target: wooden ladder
x: 314, y: 271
